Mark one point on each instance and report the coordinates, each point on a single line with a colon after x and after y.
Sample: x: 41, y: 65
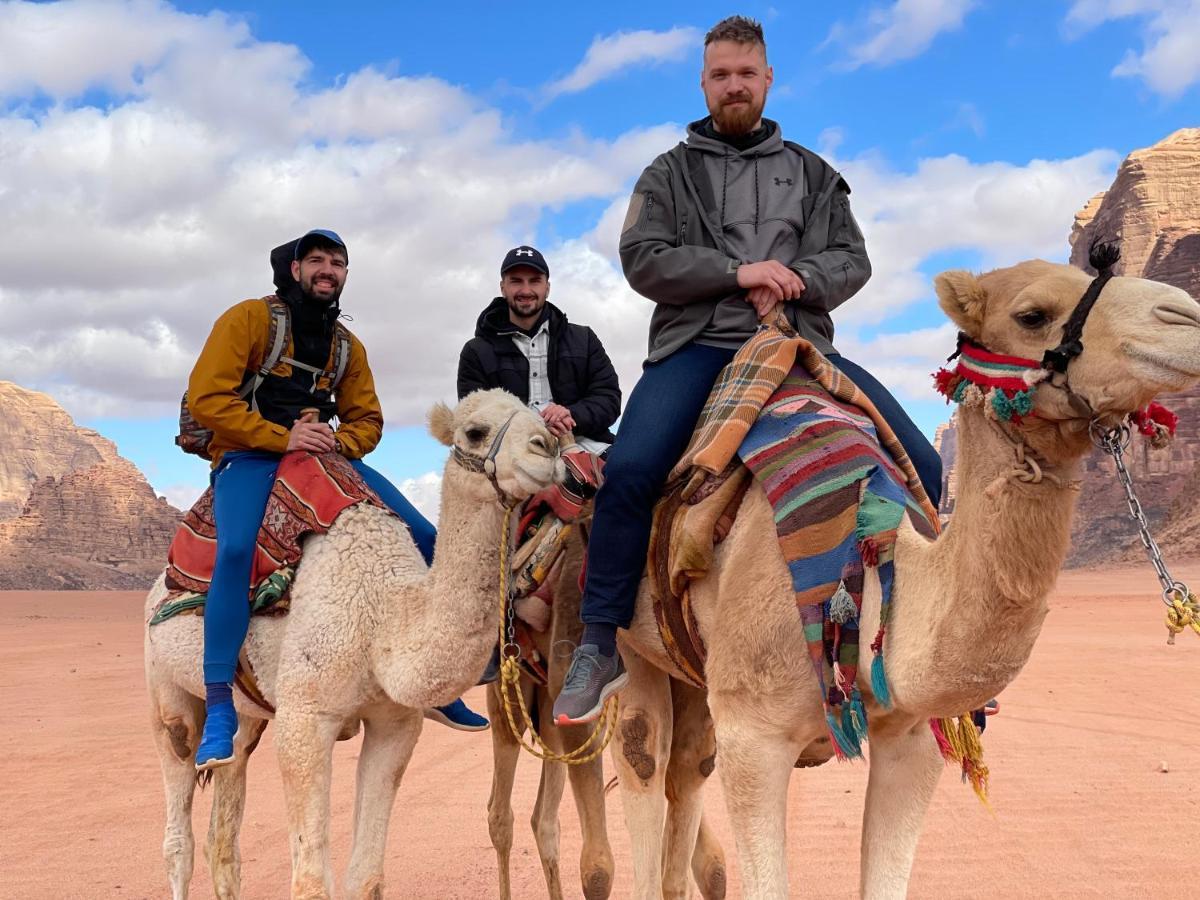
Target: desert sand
x: 1081, y: 804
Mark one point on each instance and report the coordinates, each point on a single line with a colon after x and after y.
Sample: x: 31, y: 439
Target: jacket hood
x: 287, y: 288
x: 494, y: 321
x: 696, y: 139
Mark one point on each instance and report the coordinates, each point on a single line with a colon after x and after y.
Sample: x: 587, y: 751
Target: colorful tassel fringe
x: 959, y: 742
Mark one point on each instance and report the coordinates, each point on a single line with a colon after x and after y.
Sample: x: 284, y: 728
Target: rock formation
x: 86, y: 517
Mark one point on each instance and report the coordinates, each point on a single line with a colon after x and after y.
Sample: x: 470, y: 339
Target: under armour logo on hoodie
x: 782, y: 181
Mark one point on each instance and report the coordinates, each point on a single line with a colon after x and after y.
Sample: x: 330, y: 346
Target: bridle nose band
x: 1102, y: 257
x: 485, y: 464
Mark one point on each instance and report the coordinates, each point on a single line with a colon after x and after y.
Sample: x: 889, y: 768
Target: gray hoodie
x: 703, y: 208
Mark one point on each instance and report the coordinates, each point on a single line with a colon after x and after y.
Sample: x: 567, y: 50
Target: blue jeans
x: 241, y: 485
x: 655, y: 429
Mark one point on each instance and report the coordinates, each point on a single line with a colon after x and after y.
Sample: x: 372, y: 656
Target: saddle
x: 840, y: 485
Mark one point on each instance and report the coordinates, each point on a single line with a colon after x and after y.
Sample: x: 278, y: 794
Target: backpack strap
x: 341, y: 353
x: 281, y: 326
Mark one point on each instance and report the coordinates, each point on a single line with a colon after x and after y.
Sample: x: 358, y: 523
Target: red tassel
x: 1155, y: 414
x: 946, y: 382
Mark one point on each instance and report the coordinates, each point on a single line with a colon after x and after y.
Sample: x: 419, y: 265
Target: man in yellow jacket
x: 251, y: 431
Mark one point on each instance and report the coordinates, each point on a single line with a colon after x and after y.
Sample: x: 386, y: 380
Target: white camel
x: 966, y: 608
x: 373, y: 635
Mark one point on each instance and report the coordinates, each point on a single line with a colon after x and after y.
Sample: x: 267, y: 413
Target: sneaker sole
x: 594, y: 713
x: 436, y: 715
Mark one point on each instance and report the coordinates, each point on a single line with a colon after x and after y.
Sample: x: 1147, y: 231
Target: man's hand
x: 770, y: 276
x: 315, y: 437
x: 558, y: 419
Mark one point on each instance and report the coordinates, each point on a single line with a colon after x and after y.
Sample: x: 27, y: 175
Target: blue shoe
x: 216, y: 744
x: 457, y: 715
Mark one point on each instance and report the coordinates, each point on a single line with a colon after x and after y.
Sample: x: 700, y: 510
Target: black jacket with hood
x: 581, y: 376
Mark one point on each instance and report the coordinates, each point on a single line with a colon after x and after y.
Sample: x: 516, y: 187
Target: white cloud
x: 1003, y: 212
x: 425, y: 493
x: 128, y: 229
x: 1169, y: 61
x: 182, y: 496
x: 614, y: 53
x: 901, y: 31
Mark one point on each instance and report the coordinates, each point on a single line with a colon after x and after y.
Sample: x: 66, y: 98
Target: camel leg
x: 545, y: 822
x: 587, y: 786
x: 229, y: 803
x: 640, y: 751
x: 756, y: 764
x: 708, y: 863
x: 505, y: 753
x: 304, y: 742
x: 904, y: 772
x: 176, y: 726
x: 693, y: 756
x: 387, y: 747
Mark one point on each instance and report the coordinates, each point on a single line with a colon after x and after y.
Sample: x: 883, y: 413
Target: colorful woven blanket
x: 310, y: 492
x: 840, y: 483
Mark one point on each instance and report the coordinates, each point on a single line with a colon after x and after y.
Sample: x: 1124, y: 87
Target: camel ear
x: 962, y: 298
x: 441, y: 423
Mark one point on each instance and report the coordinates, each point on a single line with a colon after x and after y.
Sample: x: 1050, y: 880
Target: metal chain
x: 1113, y: 441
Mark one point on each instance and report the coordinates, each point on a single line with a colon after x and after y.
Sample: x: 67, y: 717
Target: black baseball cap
x: 524, y: 256
x: 320, y: 236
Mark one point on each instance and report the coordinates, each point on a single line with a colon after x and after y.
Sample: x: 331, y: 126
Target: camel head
x: 497, y: 438
x: 1141, y: 338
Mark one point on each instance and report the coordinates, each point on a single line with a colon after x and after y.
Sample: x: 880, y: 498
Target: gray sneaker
x: 592, y: 679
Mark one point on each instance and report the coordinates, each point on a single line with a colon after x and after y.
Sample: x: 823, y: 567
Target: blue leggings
x: 241, y: 485
x: 655, y: 429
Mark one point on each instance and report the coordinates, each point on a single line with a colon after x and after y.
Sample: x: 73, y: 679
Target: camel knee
x: 639, y: 742
x: 181, y: 735
x: 500, y: 827
x: 712, y: 880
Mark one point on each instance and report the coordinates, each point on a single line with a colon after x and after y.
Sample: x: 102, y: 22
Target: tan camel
x: 373, y: 635
x: 692, y: 759
x: 966, y: 608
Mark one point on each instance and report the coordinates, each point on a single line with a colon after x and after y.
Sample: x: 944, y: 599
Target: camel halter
x: 486, y: 465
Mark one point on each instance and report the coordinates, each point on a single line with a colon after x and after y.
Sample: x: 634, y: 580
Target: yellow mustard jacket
x: 238, y: 344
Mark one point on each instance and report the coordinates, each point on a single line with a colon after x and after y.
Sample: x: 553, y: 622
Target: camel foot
x: 816, y: 753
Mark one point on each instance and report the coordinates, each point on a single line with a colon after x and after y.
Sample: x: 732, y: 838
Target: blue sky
x: 176, y: 143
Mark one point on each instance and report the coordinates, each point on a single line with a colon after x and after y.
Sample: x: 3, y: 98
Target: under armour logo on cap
x: 525, y: 256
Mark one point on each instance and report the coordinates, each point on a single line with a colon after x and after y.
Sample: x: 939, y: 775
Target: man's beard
x: 514, y: 307
x: 312, y: 297
x: 740, y: 120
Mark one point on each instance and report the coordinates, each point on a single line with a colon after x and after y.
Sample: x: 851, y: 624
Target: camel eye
x: 1031, y: 318
x: 476, y: 434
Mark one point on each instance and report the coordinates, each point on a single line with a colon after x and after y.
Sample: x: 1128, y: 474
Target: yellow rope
x: 510, y: 685
x: 1184, y: 613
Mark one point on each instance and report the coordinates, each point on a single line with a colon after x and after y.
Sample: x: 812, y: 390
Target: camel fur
x: 966, y: 608
x: 373, y: 634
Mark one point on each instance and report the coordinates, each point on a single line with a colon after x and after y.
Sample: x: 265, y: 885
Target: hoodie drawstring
x: 724, y: 183
x: 756, y: 193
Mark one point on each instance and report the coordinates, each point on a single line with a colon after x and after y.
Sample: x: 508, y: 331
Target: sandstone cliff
x: 87, y: 518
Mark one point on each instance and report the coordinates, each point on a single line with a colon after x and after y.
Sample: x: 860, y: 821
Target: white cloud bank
x: 129, y: 228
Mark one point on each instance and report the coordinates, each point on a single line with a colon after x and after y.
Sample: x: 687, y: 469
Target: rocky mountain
x: 1153, y: 209
x: 75, y: 514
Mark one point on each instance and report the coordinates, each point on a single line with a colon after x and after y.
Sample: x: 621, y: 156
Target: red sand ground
x: 1082, y: 808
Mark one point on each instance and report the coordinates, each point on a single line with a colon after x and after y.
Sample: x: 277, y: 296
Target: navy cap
x: 524, y: 256
x: 320, y: 235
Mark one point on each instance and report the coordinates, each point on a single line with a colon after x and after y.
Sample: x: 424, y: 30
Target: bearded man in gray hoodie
x: 720, y: 230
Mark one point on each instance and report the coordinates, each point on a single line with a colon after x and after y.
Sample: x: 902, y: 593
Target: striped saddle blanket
x: 840, y: 485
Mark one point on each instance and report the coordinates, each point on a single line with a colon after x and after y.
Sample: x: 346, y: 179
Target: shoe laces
x: 580, y: 674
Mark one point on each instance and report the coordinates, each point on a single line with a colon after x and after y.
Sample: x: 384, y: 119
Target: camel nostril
x: 1177, y: 314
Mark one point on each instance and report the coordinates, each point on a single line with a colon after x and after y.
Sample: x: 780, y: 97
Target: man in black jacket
x: 525, y: 345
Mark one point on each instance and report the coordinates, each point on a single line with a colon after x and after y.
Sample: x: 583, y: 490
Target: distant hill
x: 74, y: 514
